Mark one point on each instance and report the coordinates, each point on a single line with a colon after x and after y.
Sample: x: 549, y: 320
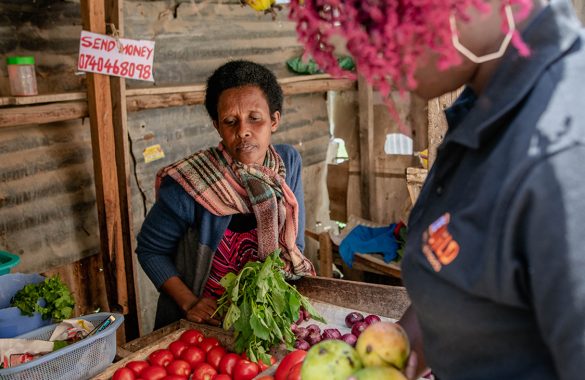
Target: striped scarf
x: 225, y: 186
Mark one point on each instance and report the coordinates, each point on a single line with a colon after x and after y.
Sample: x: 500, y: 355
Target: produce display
x: 308, y: 336
x: 192, y: 356
x: 381, y: 352
x: 267, y: 316
x: 261, y: 307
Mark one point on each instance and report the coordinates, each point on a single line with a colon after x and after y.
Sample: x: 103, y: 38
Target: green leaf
x: 314, y: 314
x: 278, y: 300
x: 294, y: 305
x: 260, y: 330
x: 267, y: 306
x: 228, y: 280
x: 59, y: 302
x: 232, y: 315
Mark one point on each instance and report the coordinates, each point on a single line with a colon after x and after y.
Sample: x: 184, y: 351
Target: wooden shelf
x: 41, y: 109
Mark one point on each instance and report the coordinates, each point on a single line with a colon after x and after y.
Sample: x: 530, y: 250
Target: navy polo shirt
x: 495, y: 261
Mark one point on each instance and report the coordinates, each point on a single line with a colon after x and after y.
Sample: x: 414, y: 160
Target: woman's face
x: 482, y: 34
x: 244, y: 123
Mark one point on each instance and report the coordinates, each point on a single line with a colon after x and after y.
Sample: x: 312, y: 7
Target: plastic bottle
x: 21, y: 74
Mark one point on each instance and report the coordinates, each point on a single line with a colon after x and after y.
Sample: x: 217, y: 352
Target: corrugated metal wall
x: 47, y: 197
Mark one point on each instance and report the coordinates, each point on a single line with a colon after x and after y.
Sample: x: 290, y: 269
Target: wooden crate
x: 387, y: 301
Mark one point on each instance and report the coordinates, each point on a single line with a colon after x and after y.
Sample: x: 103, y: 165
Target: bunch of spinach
x: 58, y: 299
x: 261, y: 306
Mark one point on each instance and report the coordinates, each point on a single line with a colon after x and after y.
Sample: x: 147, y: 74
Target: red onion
x: 358, y: 328
x: 330, y: 334
x: 314, y: 329
x: 334, y: 333
x: 302, y: 333
x: 313, y: 338
x: 349, y: 339
x: 301, y: 345
x: 353, y: 318
x: 372, y: 319
x: 306, y: 314
x: 294, y: 328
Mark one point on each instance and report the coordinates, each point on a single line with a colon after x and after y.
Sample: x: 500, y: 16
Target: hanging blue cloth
x: 364, y: 239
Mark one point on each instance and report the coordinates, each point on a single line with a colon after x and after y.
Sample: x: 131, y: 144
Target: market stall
x: 86, y: 142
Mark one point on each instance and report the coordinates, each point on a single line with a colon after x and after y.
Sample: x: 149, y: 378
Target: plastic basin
x: 12, y: 323
x: 7, y: 261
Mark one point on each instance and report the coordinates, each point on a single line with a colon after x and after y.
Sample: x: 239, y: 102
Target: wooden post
x: 420, y: 123
x: 106, y: 172
x: 367, y: 154
x: 126, y: 262
x: 437, y: 122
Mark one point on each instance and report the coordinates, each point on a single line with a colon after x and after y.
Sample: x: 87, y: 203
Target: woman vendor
x: 226, y: 205
x: 495, y: 259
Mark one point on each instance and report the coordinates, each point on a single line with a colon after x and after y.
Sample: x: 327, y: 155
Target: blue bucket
x: 12, y: 322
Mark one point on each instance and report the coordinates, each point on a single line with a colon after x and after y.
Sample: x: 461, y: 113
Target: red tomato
x: 204, y: 372
x: 137, y: 366
x: 244, y: 356
x: 228, y: 362
x: 161, y: 357
x: 177, y: 347
x: 179, y: 367
x: 208, y: 343
x: 153, y: 373
x: 215, y: 355
x: 194, y: 356
x: 221, y: 376
x: 192, y: 336
x: 245, y: 370
x: 175, y: 377
x: 266, y: 377
x: 288, y: 362
x: 263, y: 366
x: 124, y: 374
x: 295, y: 372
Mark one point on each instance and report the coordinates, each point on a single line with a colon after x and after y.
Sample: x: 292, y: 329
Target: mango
x: 331, y: 360
x: 259, y: 5
x: 378, y: 373
x: 383, y: 344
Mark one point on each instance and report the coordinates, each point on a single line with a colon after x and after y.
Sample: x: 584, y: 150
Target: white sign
x: 121, y: 57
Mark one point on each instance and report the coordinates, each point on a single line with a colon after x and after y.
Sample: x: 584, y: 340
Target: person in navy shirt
x: 495, y: 257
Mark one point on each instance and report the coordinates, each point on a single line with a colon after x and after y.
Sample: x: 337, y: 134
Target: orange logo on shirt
x: 439, y: 247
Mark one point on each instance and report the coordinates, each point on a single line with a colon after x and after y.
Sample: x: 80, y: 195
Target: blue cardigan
x: 179, y: 236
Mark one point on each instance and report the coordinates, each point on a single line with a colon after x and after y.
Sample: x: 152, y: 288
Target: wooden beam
x: 40, y: 99
x: 290, y: 86
x: 367, y: 157
x: 48, y: 113
x: 105, y: 170
x: 125, y: 258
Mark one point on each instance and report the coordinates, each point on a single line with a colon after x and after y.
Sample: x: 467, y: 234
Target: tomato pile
x: 193, y: 356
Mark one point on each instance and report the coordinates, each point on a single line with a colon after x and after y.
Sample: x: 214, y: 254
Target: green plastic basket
x: 7, y: 261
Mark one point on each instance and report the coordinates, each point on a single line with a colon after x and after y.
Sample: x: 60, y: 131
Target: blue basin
x: 12, y: 323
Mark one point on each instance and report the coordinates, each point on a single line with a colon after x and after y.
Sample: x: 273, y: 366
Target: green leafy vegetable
x: 58, y: 299
x: 261, y: 306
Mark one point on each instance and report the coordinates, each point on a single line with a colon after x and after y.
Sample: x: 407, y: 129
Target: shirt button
x: 439, y: 190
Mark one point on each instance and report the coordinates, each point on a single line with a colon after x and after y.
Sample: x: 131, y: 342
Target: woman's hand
x: 202, y: 311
